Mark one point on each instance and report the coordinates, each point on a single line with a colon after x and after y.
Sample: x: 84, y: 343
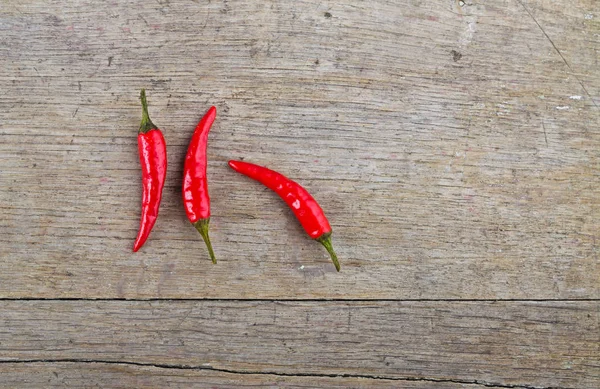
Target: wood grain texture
x: 122, y: 376
x: 524, y: 344
x: 454, y: 148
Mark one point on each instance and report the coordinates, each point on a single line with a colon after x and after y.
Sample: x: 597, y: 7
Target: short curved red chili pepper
x: 153, y: 158
x: 304, y: 206
x: 195, y: 187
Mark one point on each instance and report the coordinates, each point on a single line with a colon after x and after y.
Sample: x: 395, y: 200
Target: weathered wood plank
x: 102, y: 375
x: 535, y: 344
x: 453, y: 148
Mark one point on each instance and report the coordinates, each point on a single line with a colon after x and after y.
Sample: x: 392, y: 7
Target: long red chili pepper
x: 304, y: 206
x: 195, y: 187
x: 153, y: 158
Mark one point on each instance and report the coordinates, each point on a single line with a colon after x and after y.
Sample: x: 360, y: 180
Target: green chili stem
x: 146, y: 124
x: 325, y: 240
x: 202, y: 227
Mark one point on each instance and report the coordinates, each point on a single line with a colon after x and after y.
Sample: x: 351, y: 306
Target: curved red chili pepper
x: 153, y: 158
x: 195, y: 187
x: 304, y: 206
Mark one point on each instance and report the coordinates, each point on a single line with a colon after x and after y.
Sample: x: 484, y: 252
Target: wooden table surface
x: 454, y: 145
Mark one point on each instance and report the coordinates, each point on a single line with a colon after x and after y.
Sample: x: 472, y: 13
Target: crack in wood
x: 545, y: 135
x: 559, y: 53
x: 280, y: 374
x: 291, y: 300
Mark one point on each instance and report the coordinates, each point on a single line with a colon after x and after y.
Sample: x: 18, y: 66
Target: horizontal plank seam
x: 92, y: 299
x: 248, y: 372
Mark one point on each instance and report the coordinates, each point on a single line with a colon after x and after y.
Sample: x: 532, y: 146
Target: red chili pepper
x: 195, y: 187
x: 153, y: 158
x: 304, y: 206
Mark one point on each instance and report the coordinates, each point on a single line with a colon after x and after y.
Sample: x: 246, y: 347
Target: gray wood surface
x: 454, y: 146
x: 524, y: 344
x: 122, y: 376
x: 443, y: 177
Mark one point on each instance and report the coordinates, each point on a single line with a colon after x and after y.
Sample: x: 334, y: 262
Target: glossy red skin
x: 153, y: 159
x: 304, y: 206
x: 195, y: 187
